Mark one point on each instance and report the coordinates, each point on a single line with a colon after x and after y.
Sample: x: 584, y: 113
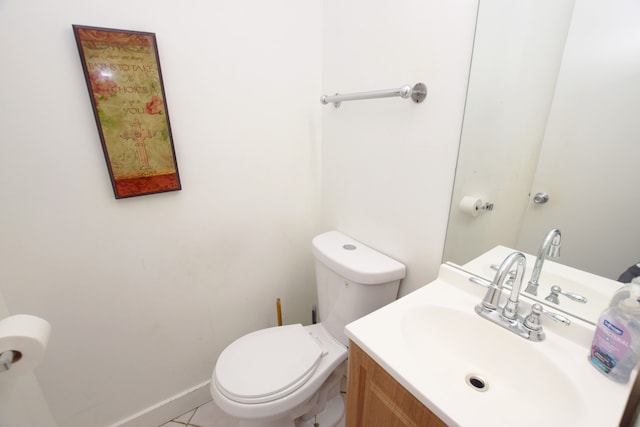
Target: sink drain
x: 477, y: 383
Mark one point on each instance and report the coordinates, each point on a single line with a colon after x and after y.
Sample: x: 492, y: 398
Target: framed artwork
x: 122, y: 72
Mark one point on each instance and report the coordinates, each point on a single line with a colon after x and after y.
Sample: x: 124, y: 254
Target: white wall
x: 388, y: 164
x: 144, y: 293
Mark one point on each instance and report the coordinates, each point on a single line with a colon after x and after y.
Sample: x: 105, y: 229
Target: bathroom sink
x: 481, y: 364
x: 470, y: 372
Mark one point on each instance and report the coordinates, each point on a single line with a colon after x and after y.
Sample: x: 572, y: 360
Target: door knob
x: 540, y: 198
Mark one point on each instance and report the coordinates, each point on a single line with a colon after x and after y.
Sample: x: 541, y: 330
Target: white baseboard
x: 168, y: 409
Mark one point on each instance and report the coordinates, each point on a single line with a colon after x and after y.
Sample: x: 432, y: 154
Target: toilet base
x: 333, y: 413
x: 331, y: 416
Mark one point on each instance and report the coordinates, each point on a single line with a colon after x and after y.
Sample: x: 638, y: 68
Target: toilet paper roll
x: 27, y: 336
x: 471, y: 205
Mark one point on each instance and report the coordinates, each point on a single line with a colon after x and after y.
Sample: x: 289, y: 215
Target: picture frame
x: 124, y: 80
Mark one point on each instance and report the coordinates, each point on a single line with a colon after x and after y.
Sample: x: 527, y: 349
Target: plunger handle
x: 279, y: 311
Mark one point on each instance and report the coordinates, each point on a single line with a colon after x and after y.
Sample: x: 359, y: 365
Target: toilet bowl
x: 290, y: 375
x: 283, y: 369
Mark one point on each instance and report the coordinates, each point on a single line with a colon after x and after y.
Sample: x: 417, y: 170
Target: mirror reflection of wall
x: 552, y: 106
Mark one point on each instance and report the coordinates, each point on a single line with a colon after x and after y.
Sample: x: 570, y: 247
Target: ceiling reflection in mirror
x: 552, y: 104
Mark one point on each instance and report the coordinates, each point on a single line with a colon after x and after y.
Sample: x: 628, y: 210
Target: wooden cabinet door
x: 375, y: 399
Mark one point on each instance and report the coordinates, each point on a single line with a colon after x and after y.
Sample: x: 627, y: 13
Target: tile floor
x: 209, y: 415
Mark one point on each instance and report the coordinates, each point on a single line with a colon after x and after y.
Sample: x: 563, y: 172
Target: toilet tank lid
x: 354, y: 260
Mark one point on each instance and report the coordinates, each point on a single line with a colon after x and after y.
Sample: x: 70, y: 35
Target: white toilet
x: 290, y: 375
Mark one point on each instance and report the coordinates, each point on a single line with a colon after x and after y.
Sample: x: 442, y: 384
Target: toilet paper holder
x: 8, y: 358
x: 486, y: 206
x: 473, y: 205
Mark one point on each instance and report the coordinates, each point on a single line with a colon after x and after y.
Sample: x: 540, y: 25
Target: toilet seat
x: 268, y: 364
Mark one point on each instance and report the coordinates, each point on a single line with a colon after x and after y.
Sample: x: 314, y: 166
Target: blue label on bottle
x: 613, y: 327
x: 609, y: 346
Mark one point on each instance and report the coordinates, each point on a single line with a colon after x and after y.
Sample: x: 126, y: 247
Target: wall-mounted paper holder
x: 472, y: 205
x: 8, y: 358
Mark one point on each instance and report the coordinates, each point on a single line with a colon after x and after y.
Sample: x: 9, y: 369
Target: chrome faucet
x: 528, y: 327
x: 510, y: 309
x: 492, y: 297
x: 550, y: 248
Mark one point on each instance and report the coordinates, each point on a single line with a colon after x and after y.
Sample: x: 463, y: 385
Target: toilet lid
x: 267, y: 364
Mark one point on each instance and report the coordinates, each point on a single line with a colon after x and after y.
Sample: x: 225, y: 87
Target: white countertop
x: 389, y: 336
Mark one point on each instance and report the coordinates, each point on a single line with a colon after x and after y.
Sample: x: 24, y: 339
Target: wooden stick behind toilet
x: 279, y: 311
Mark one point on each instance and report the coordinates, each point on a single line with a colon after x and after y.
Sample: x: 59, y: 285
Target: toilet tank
x: 352, y: 280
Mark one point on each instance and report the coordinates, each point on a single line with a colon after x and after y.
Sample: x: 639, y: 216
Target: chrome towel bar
x: 418, y: 94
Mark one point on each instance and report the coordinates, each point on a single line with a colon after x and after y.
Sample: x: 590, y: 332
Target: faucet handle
x: 555, y: 290
x: 557, y: 317
x: 533, y: 322
x: 482, y: 282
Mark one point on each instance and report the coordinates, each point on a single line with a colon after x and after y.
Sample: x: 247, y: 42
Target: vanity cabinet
x: 375, y: 398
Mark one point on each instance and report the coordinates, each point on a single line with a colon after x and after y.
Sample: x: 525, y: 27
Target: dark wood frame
x: 123, y: 76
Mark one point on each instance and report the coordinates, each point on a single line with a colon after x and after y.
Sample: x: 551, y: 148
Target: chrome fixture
x: 529, y: 327
x: 540, y: 198
x: 418, y: 94
x: 533, y: 322
x: 550, y: 248
x: 8, y: 358
x: 512, y: 274
x: 492, y: 297
x: 556, y: 290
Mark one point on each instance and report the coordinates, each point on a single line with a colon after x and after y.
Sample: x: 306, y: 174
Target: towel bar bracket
x: 419, y: 92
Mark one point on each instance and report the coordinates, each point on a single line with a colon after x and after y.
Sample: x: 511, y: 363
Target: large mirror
x: 552, y: 109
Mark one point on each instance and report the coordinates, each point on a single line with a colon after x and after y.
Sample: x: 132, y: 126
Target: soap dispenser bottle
x: 615, y: 349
